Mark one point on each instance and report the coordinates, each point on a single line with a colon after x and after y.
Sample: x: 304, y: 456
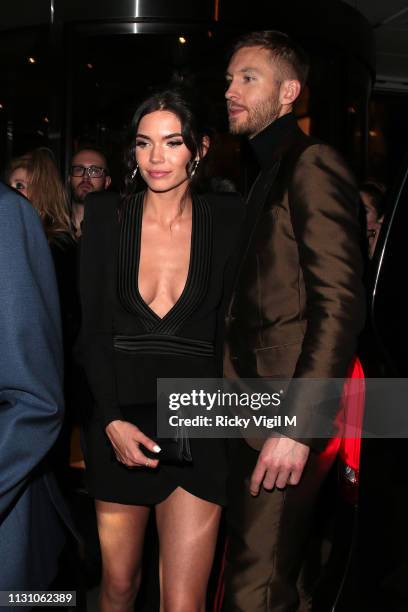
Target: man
x: 295, y: 312
x: 31, y: 402
x: 89, y: 172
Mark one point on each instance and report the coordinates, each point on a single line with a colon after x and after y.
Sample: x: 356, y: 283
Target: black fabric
x: 64, y: 251
x: 275, y: 140
x: 155, y: 344
x: 126, y: 346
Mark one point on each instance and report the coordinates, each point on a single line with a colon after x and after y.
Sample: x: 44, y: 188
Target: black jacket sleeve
x: 97, y: 287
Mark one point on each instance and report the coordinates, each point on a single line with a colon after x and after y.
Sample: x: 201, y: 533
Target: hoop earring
x: 194, y: 166
x: 133, y: 175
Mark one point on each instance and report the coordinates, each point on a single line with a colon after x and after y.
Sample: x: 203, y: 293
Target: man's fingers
x: 269, y: 480
x: 294, y: 477
x: 257, y: 478
x: 282, y: 479
x: 280, y: 463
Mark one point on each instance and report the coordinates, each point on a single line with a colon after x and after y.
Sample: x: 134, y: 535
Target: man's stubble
x: 258, y: 118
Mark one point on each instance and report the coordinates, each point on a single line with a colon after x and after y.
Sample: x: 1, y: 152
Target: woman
x: 36, y: 176
x: 153, y: 287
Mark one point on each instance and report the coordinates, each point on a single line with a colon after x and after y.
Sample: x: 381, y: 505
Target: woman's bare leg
x: 121, y: 534
x: 188, y: 528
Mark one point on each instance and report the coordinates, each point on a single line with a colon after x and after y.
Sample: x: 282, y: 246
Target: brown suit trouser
x: 268, y: 534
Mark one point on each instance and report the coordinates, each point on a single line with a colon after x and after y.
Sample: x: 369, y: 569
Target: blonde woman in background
x: 35, y: 175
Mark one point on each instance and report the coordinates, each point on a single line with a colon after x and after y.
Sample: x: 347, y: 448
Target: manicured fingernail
x: 156, y: 448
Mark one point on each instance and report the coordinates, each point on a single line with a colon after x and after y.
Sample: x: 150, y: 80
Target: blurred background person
x: 88, y: 172
x: 31, y: 403
x: 372, y: 195
x: 36, y: 176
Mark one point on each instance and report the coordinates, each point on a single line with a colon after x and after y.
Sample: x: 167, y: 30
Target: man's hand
x: 280, y: 462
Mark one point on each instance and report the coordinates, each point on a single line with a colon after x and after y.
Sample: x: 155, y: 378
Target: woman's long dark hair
x: 193, y: 131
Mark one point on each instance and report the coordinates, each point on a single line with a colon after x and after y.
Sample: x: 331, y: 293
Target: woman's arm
x: 97, y: 290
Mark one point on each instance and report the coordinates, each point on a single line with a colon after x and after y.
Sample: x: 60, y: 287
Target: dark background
x: 92, y: 63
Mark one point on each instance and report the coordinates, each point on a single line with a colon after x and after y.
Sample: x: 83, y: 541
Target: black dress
x: 126, y: 346
x: 65, y: 256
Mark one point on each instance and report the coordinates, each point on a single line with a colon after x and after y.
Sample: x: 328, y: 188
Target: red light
x: 353, y: 400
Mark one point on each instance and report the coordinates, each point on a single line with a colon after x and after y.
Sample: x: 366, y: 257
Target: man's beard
x: 258, y: 118
x: 79, y: 197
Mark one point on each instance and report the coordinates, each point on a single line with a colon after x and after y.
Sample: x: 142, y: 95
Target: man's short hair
x: 93, y: 147
x: 292, y: 60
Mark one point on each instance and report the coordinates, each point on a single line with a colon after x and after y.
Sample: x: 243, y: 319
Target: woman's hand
x: 126, y: 439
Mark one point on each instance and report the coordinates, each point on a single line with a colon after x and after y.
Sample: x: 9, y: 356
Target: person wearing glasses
x: 89, y: 172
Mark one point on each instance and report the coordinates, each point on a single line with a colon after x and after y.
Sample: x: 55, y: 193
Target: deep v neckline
x: 138, y: 255
x: 198, y: 271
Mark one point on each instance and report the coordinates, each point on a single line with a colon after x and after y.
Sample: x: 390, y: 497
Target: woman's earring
x: 133, y: 175
x: 194, y: 166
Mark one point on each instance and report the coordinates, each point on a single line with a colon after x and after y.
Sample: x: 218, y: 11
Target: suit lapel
x: 255, y: 205
x: 257, y: 198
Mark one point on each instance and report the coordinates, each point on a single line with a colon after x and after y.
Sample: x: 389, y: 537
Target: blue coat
x: 31, y: 400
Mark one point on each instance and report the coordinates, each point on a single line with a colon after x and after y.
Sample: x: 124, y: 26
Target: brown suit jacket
x: 298, y: 303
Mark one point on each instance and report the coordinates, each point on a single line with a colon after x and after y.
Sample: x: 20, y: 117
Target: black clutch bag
x: 174, y: 450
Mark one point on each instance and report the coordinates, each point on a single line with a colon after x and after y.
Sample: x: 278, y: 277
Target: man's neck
x: 283, y: 111
x: 268, y: 143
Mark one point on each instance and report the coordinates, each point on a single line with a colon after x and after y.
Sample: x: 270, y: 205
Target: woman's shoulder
x: 63, y: 243
x: 64, y: 251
